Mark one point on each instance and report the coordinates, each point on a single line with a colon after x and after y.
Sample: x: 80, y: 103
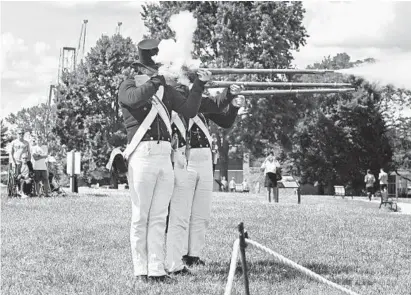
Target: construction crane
x: 67, y: 62
x: 70, y: 56
x: 118, y: 28
x: 82, y: 42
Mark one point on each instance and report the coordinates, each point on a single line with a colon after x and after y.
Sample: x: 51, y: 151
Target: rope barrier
x: 234, y: 258
x: 298, y: 267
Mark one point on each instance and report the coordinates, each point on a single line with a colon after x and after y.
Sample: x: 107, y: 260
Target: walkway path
x: 405, y: 207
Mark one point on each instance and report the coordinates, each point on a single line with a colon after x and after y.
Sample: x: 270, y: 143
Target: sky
x: 33, y: 33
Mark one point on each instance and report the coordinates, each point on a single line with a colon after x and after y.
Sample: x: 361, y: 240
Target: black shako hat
x: 146, y: 50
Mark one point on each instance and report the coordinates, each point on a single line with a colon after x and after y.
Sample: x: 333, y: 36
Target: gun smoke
x: 388, y: 71
x: 175, y: 55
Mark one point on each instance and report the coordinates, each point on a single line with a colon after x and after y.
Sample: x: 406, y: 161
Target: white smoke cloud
x: 175, y: 55
x: 392, y: 70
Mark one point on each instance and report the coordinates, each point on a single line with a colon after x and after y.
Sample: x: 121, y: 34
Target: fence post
x: 243, y: 260
x: 299, y: 195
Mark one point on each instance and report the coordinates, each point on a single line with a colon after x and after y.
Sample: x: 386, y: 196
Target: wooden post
x: 73, y: 175
x: 299, y: 195
x: 243, y: 260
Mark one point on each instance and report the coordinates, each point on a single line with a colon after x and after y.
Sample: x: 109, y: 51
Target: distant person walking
x: 383, y: 177
x: 369, y: 180
x: 232, y: 184
x: 269, y: 167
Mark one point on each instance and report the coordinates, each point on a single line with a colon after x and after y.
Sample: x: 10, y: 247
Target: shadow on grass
x: 269, y: 271
x: 98, y: 195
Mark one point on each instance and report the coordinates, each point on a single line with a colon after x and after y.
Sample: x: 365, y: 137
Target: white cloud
x: 359, y: 28
x: 26, y: 75
x: 23, y: 83
x: 347, y: 23
x: 10, y: 45
x: 73, y: 4
x: 40, y: 48
x: 15, y: 103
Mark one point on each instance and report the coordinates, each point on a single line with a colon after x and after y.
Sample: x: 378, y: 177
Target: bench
x: 387, y: 200
x: 339, y: 191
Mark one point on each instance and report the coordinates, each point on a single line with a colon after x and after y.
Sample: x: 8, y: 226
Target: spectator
x: 223, y: 184
x: 25, y: 176
x: 232, y: 185
x: 269, y: 167
x: 214, y: 150
x: 369, y: 180
x: 383, y: 177
x: 19, y: 147
x: 40, y: 168
x: 246, y: 188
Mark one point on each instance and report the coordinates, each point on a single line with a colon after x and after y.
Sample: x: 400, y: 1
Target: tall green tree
x: 247, y: 34
x: 344, y: 134
x: 89, y: 118
x: 5, y: 139
x: 4, y: 135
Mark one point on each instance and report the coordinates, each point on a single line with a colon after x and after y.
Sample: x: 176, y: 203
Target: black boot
x: 184, y: 271
x: 192, y: 260
x: 162, y: 279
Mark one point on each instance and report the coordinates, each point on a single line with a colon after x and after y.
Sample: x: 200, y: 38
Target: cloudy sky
x: 33, y: 33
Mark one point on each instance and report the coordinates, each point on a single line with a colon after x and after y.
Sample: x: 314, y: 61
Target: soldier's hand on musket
x: 204, y: 75
x: 236, y: 89
x: 239, y: 101
x: 158, y: 80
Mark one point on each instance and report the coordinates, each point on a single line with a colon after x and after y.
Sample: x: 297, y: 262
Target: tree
x: 5, y: 139
x: 344, y: 134
x: 89, y: 118
x: 4, y: 135
x: 243, y: 35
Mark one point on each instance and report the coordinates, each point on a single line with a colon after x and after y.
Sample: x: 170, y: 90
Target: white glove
x: 204, y: 75
x: 236, y: 89
x: 239, y: 101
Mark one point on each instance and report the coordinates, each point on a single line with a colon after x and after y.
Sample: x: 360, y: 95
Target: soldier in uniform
x: 200, y: 160
x: 186, y: 179
x: 146, y: 103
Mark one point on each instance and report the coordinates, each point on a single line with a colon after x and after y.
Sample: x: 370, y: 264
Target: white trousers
x: 151, y: 182
x: 180, y: 207
x: 200, y: 160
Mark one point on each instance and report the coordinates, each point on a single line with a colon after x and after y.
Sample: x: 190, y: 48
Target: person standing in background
x: 269, y: 167
x: 369, y: 180
x: 246, y: 188
x: 214, y: 150
x: 40, y: 168
x: 232, y: 185
x: 19, y: 147
x: 383, y: 177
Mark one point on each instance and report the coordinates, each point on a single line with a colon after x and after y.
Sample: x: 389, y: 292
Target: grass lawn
x: 80, y: 245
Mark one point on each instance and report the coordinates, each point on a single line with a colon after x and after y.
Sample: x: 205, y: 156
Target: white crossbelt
x: 175, y: 118
x: 202, y: 126
x: 157, y: 107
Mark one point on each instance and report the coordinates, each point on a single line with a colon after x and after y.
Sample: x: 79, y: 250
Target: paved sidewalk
x: 405, y: 207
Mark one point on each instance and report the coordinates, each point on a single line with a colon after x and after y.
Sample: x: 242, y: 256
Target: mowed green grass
x: 80, y: 245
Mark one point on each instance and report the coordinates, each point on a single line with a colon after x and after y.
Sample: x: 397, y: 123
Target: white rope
x: 298, y: 267
x: 233, y: 264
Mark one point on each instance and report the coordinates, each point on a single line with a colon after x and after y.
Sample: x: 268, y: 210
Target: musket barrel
x: 295, y: 91
x: 218, y: 84
x: 220, y: 71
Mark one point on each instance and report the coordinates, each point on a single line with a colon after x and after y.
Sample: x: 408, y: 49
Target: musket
x: 221, y: 84
x: 219, y: 71
x: 295, y: 91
